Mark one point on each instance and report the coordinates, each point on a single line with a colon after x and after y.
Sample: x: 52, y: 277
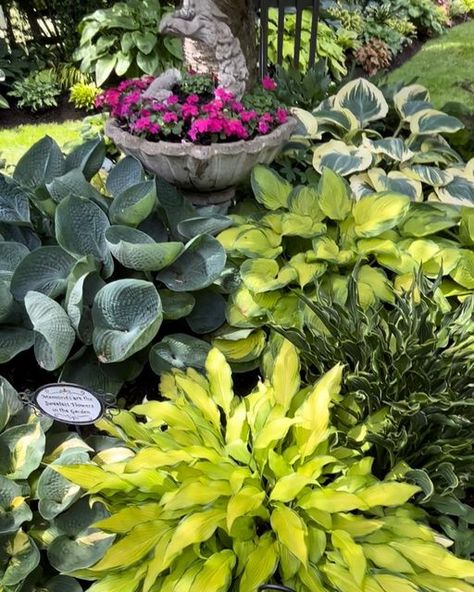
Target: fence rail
x: 283, y: 7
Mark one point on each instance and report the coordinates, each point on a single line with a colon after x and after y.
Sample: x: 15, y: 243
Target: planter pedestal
x: 205, y: 174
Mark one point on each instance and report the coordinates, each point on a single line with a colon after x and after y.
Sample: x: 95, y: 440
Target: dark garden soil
x: 65, y: 111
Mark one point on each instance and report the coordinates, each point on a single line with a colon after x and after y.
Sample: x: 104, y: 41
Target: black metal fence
x: 284, y: 7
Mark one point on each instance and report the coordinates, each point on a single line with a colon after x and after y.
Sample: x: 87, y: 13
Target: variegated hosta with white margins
x: 352, y: 134
x: 223, y: 493
x: 313, y: 239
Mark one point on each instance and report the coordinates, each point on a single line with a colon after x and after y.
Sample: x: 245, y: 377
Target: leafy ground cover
x: 16, y: 141
x: 441, y: 66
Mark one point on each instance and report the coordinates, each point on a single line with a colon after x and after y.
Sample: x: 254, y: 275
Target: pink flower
x: 267, y: 118
x: 141, y: 124
x: 170, y: 117
x: 236, y: 106
x: 247, y: 116
x: 158, y: 107
x: 192, y: 99
x: 281, y: 115
x: 268, y: 83
x: 189, y: 111
x: 215, y: 125
x: 263, y: 127
x: 172, y: 100
x: 234, y: 127
x: 223, y: 95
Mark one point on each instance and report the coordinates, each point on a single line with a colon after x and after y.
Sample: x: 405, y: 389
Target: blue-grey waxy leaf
x: 80, y: 230
x: 203, y: 225
x: 178, y: 351
x: 12, y: 515
x: 76, y: 548
x: 127, y: 315
x: 134, y: 204
x: 14, y: 205
x: 45, y: 270
x: 20, y: 234
x: 11, y: 255
x: 79, y: 301
x: 14, y: 340
x: 201, y: 264
x: 23, y: 557
x: 208, y: 313
x: 87, y: 157
x: 176, y: 305
x: 10, y: 402
x: 74, y: 183
x: 62, y: 584
x: 126, y: 173
x: 42, y: 163
x: 25, y: 444
x: 175, y: 205
x: 54, y: 335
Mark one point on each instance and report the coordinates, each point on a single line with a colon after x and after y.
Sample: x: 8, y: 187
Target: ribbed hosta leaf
x: 269, y: 188
x: 134, y: 204
x: 459, y: 191
x: 375, y: 214
x: 363, y: 99
x: 428, y: 174
x: 126, y: 173
x: 14, y: 340
x: 80, y: 229
x: 22, y: 557
x: 79, y: 303
x: 341, y: 158
x: 13, y: 515
x: 11, y: 255
x: 127, y: 315
x: 176, y: 305
x: 74, y: 183
x: 42, y: 163
x: 14, y: 205
x: 25, y: 445
x: 411, y: 99
x: 88, y: 158
x: 178, y: 351
x: 136, y: 250
x: 54, y: 335
x: 201, y: 264
x: 430, y: 121
x: 44, y: 270
x: 204, y: 225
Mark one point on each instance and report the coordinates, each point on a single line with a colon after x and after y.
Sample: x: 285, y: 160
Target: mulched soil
x: 65, y: 111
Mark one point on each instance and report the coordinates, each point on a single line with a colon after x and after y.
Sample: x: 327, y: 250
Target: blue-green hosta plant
x: 39, y: 509
x: 407, y: 390
x: 317, y: 237
x: 221, y: 493
x: 88, y: 277
x: 379, y: 145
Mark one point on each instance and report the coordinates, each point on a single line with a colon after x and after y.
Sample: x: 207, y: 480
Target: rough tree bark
x: 242, y: 21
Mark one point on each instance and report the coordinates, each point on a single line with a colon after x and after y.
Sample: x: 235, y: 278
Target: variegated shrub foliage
x: 90, y: 271
x: 209, y: 491
x: 314, y: 238
x: 39, y: 509
x: 394, y: 146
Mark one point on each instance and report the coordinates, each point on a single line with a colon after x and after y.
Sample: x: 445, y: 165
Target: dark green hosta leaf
x: 363, y: 99
x: 79, y: 545
x: 208, y: 313
x: 14, y: 340
x: 12, y: 515
x: 136, y: 250
x: 10, y: 402
x: 394, y: 148
x: 203, y: 225
x: 459, y: 191
x: 126, y: 173
x: 25, y: 444
x: 8, y: 306
x: 80, y: 230
x: 127, y: 315
x: 11, y: 255
x: 155, y: 227
x: 421, y: 478
x: 42, y: 163
x: 54, y: 335
x: 176, y: 305
x: 178, y: 351
x: 430, y: 175
x: 79, y: 303
x: 87, y: 157
x: 134, y: 205
x: 74, y: 183
x: 84, y: 368
x: 62, y: 584
x: 201, y: 264
x: 20, y: 234
x: 56, y: 493
x: 430, y: 121
x: 45, y: 270
x: 14, y: 205
x: 270, y: 189
x: 177, y: 207
x: 22, y: 557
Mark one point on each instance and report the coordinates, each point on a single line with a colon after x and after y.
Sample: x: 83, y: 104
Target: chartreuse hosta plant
x: 407, y: 391
x: 39, y: 509
x: 221, y: 493
x: 88, y: 276
x: 310, y: 237
x: 354, y: 134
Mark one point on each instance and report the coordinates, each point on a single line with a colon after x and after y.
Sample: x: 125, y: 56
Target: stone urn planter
x: 205, y: 174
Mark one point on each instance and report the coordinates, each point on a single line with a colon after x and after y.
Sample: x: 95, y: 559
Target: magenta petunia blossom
x: 268, y: 83
x: 170, y: 117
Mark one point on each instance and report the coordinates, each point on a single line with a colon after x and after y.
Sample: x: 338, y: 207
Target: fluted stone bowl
x: 205, y: 174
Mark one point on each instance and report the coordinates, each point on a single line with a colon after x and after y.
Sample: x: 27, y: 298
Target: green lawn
x: 15, y: 142
x: 445, y: 66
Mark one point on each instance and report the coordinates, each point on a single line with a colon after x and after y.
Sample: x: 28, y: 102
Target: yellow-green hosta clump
x: 212, y: 492
x: 316, y: 237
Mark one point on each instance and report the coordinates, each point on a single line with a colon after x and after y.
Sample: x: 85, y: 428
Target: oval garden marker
x: 68, y: 403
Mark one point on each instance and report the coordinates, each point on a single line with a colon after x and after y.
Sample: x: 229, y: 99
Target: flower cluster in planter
x: 196, y: 112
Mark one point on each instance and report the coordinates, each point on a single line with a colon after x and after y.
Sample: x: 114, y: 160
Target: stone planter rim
x: 197, y: 151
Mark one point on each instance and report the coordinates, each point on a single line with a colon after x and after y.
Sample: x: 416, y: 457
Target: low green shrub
x: 83, y: 96
x: 217, y: 492
x: 303, y: 89
x: 39, y: 509
x: 90, y: 276
x: 386, y: 145
x: 124, y: 40
x: 39, y: 90
x: 407, y: 391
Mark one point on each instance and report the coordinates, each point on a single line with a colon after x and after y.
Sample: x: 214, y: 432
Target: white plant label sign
x: 68, y: 403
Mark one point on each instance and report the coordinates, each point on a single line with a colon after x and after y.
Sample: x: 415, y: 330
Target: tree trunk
x: 242, y: 21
